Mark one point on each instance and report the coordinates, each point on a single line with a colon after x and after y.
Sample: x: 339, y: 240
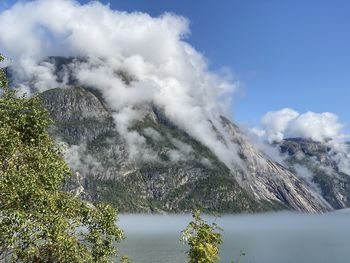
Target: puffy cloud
x: 167, y: 71
x: 316, y: 126
x: 277, y: 125
x: 64, y: 27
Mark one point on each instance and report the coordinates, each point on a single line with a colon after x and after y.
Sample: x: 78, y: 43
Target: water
x: 267, y: 238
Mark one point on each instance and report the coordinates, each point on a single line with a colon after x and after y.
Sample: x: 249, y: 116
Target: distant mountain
x: 177, y: 172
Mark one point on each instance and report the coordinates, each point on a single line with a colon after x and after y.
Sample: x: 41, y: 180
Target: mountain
x: 194, y: 177
x: 153, y: 165
x: 322, y: 169
x: 107, y: 174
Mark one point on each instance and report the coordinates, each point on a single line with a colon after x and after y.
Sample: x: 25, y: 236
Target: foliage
x: 203, y: 240
x: 38, y: 222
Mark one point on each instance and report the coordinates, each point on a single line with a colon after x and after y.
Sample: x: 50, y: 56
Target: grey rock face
x: 294, y: 146
x: 79, y: 115
x: 74, y: 104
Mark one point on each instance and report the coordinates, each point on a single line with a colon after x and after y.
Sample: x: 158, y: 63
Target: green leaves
x: 38, y: 222
x: 203, y: 240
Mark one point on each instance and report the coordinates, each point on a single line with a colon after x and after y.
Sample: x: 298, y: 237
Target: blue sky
x: 285, y: 53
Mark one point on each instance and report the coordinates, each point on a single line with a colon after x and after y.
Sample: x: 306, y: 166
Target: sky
x: 285, y: 54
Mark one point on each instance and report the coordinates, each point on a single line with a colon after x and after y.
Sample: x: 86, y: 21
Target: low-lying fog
x: 271, y: 238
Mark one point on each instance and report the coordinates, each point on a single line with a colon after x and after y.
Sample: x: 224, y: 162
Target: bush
x: 204, y: 241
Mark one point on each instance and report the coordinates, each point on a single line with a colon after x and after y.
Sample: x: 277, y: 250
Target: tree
x: 203, y: 240
x: 38, y: 222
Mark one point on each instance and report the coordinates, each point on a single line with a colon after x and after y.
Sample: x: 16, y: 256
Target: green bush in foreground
x: 38, y: 222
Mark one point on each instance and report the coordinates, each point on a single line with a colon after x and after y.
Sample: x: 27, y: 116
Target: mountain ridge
x: 152, y: 165
x: 82, y: 130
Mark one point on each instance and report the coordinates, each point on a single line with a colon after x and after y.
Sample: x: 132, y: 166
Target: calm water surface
x: 267, y: 238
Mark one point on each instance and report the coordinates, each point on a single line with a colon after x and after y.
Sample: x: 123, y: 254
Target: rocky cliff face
x: 180, y: 174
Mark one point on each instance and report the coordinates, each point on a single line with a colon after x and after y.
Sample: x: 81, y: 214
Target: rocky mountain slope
x: 318, y: 163
x: 194, y: 178
x: 181, y: 172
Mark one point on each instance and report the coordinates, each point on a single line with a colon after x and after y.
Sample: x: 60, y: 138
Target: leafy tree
x: 38, y: 222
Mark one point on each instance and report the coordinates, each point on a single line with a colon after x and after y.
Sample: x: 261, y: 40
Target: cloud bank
x: 166, y: 70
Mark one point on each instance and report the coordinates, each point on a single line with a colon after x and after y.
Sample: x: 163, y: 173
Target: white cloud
x: 168, y: 71
x: 316, y: 126
x: 284, y: 123
x: 275, y: 123
x: 40, y: 76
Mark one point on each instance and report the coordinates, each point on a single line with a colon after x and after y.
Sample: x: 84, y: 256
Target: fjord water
x: 265, y: 238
